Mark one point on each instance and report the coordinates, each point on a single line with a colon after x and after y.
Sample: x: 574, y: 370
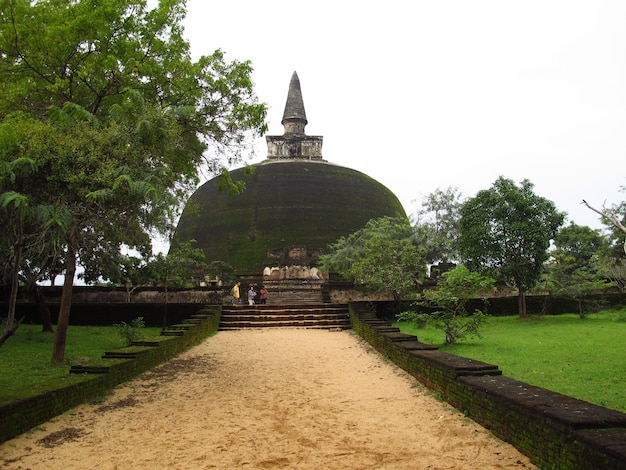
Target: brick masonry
x: 94, y: 378
x: 554, y: 430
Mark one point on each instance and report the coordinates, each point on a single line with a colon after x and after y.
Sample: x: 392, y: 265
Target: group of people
x: 252, y: 295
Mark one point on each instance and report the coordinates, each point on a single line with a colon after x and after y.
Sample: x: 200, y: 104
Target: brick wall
x: 95, y: 377
x: 554, y: 430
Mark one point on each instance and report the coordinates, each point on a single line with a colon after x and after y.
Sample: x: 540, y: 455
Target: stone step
x: 291, y: 292
x: 287, y: 309
x: 317, y: 324
x: 327, y: 316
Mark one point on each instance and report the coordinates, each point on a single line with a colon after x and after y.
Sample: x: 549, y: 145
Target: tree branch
x: 610, y: 215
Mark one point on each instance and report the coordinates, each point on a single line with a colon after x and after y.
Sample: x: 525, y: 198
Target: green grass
x: 26, y: 366
x: 585, y: 359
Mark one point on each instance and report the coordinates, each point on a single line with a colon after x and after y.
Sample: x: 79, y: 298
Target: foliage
x: 614, y: 270
x: 383, y: 256
x: 573, y: 265
x: 436, y: 225
x: 612, y: 263
x: 615, y: 218
x: 448, y: 301
x: 131, y: 332
x: 221, y: 271
x: 557, y: 352
x: 505, y: 232
x: 110, y: 121
x: 182, y: 267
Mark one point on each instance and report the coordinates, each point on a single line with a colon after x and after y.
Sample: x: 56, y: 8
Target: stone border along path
x: 266, y: 398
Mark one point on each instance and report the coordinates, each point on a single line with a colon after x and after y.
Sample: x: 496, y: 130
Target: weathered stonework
x: 307, y: 147
x: 294, y: 143
x: 295, y: 203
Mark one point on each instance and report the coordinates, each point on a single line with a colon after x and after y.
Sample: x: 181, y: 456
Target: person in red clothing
x: 263, y: 295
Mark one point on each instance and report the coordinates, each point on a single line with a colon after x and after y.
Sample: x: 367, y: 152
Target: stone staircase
x: 293, y: 292
x: 315, y: 315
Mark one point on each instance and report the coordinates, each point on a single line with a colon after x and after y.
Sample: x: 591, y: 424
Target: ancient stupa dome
x: 295, y: 203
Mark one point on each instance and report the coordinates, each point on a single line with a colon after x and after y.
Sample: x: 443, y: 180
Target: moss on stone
x: 289, y: 213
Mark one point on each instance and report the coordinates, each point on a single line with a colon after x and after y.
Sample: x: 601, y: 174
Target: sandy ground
x: 259, y: 399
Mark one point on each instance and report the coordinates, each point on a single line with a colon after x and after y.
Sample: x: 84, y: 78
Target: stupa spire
x: 294, y: 117
x: 294, y: 143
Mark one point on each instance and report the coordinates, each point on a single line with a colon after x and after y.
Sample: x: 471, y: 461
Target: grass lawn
x: 585, y: 359
x: 26, y: 366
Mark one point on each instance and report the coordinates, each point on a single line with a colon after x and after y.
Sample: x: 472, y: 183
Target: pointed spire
x: 294, y: 117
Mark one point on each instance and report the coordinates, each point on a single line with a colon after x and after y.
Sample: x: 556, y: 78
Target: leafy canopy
x: 114, y: 121
x: 573, y: 269
x: 436, y: 225
x: 383, y: 256
x: 505, y: 232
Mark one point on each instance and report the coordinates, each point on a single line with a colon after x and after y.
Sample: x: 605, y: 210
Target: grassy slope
x: 580, y: 358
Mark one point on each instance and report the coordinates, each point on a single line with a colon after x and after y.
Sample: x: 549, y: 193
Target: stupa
x: 295, y: 203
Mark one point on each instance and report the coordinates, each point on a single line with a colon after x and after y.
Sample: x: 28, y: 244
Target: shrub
x: 131, y: 332
x: 448, y: 301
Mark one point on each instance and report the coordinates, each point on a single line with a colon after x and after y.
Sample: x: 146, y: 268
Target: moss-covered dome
x: 295, y: 203
x: 289, y: 213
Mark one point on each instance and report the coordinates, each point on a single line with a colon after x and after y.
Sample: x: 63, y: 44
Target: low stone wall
x: 554, y: 430
x: 93, y: 378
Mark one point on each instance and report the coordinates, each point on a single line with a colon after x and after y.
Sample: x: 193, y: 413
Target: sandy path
x: 258, y: 399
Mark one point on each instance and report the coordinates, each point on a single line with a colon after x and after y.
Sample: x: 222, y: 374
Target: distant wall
x: 106, y: 314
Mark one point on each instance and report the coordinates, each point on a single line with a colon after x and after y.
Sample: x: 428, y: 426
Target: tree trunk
x: 11, y: 326
x: 44, y: 311
x: 58, y: 355
x: 164, y: 322
x: 521, y: 303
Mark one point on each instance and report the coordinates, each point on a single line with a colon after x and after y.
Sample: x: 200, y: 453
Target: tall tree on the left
x: 115, y: 120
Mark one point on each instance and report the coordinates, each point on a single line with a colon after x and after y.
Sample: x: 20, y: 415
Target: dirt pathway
x: 266, y: 399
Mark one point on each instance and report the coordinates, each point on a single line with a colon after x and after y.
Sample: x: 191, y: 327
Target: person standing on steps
x: 263, y: 295
x: 251, y: 295
x: 235, y: 293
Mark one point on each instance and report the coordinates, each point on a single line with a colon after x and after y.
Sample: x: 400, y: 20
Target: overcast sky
x: 423, y: 95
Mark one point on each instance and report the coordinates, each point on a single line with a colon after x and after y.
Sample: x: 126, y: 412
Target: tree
x: 436, y: 225
x: 449, y: 299
x: 573, y: 267
x: 506, y: 232
x: 613, y: 261
x: 381, y: 257
x: 130, y: 272
x: 116, y: 118
x: 221, y: 271
x: 614, y: 215
x: 19, y: 207
x: 177, y: 269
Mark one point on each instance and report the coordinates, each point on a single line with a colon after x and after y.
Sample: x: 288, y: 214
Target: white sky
x: 423, y: 95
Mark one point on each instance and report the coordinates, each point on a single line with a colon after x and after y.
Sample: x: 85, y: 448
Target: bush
x: 131, y: 332
x: 447, y: 302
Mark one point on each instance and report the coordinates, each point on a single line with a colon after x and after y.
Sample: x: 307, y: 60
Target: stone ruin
x: 293, y: 272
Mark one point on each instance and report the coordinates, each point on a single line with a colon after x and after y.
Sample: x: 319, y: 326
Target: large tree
x: 116, y: 119
x: 506, y: 232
